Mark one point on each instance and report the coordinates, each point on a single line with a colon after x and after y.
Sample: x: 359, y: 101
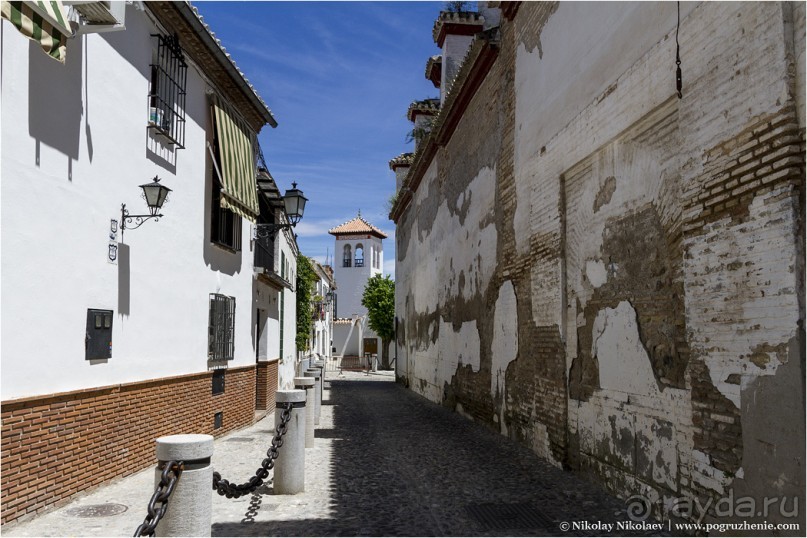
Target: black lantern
x: 293, y: 205
x: 155, y: 195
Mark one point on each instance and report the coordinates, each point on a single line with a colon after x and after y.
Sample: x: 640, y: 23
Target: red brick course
x: 57, y: 445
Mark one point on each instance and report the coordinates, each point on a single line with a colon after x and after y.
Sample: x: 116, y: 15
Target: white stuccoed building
x: 359, y: 255
x: 112, y: 337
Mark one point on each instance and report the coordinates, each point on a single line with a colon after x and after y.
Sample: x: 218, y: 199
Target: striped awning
x: 236, y: 143
x: 44, y: 22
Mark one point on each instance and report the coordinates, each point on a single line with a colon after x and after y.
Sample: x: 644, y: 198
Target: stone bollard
x: 315, y: 373
x: 190, y: 507
x: 308, y: 384
x: 290, y: 463
x: 321, y: 365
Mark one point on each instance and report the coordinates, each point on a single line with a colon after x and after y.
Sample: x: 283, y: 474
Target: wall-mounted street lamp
x: 155, y: 195
x: 293, y: 205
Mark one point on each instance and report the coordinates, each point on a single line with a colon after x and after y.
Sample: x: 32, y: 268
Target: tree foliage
x: 379, y: 300
x: 306, y: 277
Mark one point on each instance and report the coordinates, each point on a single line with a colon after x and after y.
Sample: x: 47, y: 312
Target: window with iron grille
x: 225, y: 226
x: 265, y: 244
x: 221, y: 328
x: 169, y: 75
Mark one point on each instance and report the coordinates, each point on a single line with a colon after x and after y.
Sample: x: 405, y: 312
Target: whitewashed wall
x: 74, y: 147
x: 288, y: 359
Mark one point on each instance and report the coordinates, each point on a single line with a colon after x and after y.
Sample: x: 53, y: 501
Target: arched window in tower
x: 375, y: 258
x: 347, y: 257
x: 359, y: 255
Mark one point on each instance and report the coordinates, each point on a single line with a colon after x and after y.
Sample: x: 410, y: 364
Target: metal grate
x: 240, y: 439
x: 169, y: 75
x: 97, y: 510
x: 221, y: 328
x: 509, y: 516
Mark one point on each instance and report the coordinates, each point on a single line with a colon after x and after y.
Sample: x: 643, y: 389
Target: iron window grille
x: 221, y: 328
x: 345, y: 262
x: 169, y: 76
x: 359, y: 262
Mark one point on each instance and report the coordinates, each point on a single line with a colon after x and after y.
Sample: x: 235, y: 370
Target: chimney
x: 421, y: 114
x: 400, y: 165
x: 433, y: 70
x: 453, y: 32
x: 490, y: 12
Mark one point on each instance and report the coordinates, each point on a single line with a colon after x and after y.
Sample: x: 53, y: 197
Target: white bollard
x: 308, y: 384
x: 290, y: 463
x: 321, y: 365
x: 190, y: 506
x: 315, y: 373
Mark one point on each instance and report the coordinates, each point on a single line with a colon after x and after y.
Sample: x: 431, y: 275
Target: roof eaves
x: 195, y: 20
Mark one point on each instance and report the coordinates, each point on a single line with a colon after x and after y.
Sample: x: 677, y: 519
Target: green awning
x: 236, y: 143
x: 44, y: 22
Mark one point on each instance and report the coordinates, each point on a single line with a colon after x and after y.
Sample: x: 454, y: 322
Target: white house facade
x: 113, y: 321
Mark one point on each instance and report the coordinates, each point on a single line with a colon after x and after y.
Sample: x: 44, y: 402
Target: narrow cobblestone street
x: 387, y: 463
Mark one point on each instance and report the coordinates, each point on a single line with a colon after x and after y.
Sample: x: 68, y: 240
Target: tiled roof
x: 451, y: 17
x: 427, y: 107
x: 404, y: 159
x: 357, y: 226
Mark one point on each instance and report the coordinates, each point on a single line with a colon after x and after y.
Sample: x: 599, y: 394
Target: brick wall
x: 58, y: 445
x: 654, y: 246
x: 266, y: 373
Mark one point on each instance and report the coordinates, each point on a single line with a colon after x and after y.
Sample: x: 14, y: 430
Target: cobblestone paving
x: 386, y: 463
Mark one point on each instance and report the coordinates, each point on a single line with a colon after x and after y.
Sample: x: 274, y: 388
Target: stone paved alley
x: 387, y: 463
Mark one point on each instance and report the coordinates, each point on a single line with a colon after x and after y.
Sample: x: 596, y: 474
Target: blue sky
x: 338, y: 77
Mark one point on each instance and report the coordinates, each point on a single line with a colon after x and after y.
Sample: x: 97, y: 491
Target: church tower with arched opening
x: 358, y: 255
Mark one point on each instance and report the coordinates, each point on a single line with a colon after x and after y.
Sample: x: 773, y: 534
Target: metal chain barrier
x: 171, y: 471
x: 234, y: 491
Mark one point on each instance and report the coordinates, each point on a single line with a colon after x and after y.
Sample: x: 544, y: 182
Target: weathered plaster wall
x: 609, y: 274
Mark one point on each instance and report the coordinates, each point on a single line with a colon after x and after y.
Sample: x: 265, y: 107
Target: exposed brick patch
x: 56, y: 446
x: 266, y: 373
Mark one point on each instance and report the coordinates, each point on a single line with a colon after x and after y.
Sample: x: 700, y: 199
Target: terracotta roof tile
x: 357, y: 226
x: 404, y: 159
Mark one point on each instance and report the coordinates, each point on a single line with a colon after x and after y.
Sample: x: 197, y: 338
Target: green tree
x: 379, y: 300
x: 306, y: 277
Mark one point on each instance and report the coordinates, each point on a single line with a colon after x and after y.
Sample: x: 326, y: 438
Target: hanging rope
x: 678, y: 82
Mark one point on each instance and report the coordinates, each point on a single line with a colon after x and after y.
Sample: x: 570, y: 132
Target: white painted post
x: 315, y: 373
x: 321, y: 365
x: 290, y: 463
x: 308, y: 384
x: 190, y: 507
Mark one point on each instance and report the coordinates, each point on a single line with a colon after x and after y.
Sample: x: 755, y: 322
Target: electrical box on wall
x: 98, y: 339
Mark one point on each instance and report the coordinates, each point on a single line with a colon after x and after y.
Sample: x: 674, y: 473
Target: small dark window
x: 221, y: 328
x: 169, y: 74
x: 218, y: 381
x: 218, y: 420
x: 98, y: 337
